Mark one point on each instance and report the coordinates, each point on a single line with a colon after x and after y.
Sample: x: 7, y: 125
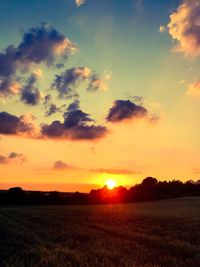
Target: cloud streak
x: 60, y: 165
x: 115, y: 171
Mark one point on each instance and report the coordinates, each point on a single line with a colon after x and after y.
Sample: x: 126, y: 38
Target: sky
x: 96, y: 90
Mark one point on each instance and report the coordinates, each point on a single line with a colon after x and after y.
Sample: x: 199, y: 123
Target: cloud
x: 13, y: 158
x: 19, y: 158
x: 80, y: 2
x: 21, y: 126
x: 194, y: 89
x: 74, y: 106
x: 47, y: 99
x: 96, y: 83
x: 77, y: 125
x: 125, y: 109
x: 67, y: 82
x: 53, y: 108
x: 184, y: 27
x: 38, y: 73
x: 8, y: 87
x: 50, y: 107
x: 30, y: 94
x: 8, y: 62
x: 162, y: 28
x: 3, y: 160
x: 42, y: 44
x: 115, y: 171
x: 60, y: 165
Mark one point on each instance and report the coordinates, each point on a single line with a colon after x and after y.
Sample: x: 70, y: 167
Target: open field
x: 151, y: 234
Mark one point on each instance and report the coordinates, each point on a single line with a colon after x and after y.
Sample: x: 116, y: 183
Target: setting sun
x: 110, y: 184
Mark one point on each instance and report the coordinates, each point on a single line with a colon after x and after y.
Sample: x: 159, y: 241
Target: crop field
x: 148, y: 234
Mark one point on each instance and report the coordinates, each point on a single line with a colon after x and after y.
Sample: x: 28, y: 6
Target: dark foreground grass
x: 163, y: 233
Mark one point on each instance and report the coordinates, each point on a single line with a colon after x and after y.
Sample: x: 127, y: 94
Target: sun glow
x: 110, y: 184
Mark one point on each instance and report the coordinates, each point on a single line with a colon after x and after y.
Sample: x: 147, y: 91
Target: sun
x: 110, y: 184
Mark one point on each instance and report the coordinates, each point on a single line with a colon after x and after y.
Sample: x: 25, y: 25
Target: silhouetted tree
x: 149, y: 189
x: 16, y: 195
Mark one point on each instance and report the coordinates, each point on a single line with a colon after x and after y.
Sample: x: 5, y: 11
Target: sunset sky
x: 98, y: 89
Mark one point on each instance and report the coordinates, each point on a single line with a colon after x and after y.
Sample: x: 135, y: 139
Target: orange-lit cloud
x: 21, y: 126
x: 194, y: 89
x: 60, y: 165
x: 80, y: 2
x: 162, y: 28
x: 13, y: 157
x: 184, y: 27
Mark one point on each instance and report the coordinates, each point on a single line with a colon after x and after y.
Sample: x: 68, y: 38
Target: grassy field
x: 151, y: 234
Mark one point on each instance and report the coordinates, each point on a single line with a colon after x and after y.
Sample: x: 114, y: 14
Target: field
x: 151, y: 234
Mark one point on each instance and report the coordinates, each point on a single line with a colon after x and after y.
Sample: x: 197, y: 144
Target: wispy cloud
x: 13, y: 157
x: 194, y: 89
x: 115, y: 171
x: 60, y: 165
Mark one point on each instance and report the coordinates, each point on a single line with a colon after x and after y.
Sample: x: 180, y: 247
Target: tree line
x: 149, y: 189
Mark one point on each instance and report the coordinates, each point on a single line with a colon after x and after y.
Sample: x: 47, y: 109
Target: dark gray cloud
x: 74, y: 127
x: 30, y: 94
x: 52, y: 109
x: 67, y: 82
x: 47, y: 99
x: 75, y: 116
x: 13, y: 125
x: 42, y: 44
x: 8, y: 61
x: 74, y: 106
x: 125, y: 109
